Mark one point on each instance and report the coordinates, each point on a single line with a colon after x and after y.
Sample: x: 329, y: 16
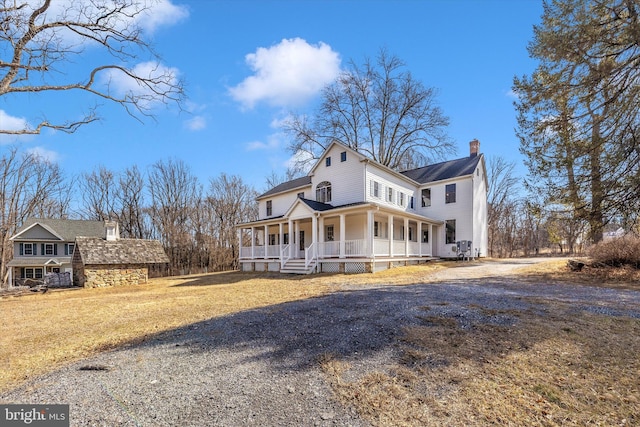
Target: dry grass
x: 559, y: 369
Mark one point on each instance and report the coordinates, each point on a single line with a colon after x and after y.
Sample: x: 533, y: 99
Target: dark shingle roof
x: 68, y: 229
x: 98, y: 251
x: 444, y: 170
x: 317, y: 206
x: 287, y: 186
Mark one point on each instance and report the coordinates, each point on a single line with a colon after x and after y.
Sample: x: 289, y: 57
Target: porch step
x: 296, y: 266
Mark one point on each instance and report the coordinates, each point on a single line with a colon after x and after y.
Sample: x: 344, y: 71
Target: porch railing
x: 310, y: 254
x: 284, y: 255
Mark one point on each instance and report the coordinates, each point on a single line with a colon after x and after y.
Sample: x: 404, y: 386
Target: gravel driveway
x: 260, y: 367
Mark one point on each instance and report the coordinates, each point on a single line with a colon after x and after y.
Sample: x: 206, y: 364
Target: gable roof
x: 99, y: 251
x: 65, y: 229
x: 288, y: 186
x: 444, y: 170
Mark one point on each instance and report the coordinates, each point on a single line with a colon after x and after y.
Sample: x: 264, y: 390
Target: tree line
x: 195, y: 222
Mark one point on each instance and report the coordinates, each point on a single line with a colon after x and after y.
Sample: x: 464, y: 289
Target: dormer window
x: 323, y: 192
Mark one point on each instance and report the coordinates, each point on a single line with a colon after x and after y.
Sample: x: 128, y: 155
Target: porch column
x: 419, y: 238
x: 296, y: 237
x: 390, y: 233
x: 253, y: 242
x: 342, y: 236
x: 369, y: 235
x: 406, y: 237
x: 314, y: 232
x: 431, y: 239
x: 291, y: 238
x: 266, y: 241
x: 321, y: 237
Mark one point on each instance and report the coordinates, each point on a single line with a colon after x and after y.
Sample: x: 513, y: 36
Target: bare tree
x: 40, y: 41
x: 29, y: 184
x: 174, y: 193
x: 99, y: 194
x: 232, y: 202
x: 134, y: 222
x: 379, y: 110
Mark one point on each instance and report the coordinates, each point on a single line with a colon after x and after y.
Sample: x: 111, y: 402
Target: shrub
x: 617, y: 252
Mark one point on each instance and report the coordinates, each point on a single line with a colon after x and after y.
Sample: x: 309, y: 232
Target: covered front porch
x: 352, y: 240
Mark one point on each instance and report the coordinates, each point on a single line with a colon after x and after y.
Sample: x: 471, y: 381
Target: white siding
x: 346, y: 178
x: 480, y: 215
x: 280, y: 203
x: 388, y: 181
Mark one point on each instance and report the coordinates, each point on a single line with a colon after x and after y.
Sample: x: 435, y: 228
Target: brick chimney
x: 474, y: 148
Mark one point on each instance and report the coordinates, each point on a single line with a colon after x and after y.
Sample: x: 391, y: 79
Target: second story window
x: 28, y: 249
x: 327, y: 161
x: 450, y: 193
x: 269, y: 208
x: 426, y: 197
x: 343, y: 156
x: 375, y: 188
x: 323, y: 192
x: 390, y: 194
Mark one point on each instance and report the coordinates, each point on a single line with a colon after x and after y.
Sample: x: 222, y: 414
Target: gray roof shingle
x: 98, y: 251
x: 287, y: 186
x: 444, y: 170
x: 68, y: 229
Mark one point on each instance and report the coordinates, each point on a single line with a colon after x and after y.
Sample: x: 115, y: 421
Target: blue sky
x: 248, y: 64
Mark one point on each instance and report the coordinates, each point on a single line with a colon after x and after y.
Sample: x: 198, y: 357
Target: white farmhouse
x: 351, y: 214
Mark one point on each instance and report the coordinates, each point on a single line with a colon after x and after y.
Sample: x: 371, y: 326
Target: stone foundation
x: 113, y: 275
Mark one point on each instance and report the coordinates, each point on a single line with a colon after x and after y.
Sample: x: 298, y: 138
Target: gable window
x: 450, y: 232
x: 450, y: 193
x: 323, y: 192
x: 389, y: 194
x: 269, y: 207
x: 375, y: 189
x: 343, y: 156
x: 327, y: 161
x: 301, y: 195
x: 426, y: 197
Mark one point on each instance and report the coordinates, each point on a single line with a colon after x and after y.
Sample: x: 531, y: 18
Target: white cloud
x: 196, y: 123
x: 287, y: 74
x: 12, y: 123
x: 273, y: 142
x: 44, y: 154
x: 160, y: 14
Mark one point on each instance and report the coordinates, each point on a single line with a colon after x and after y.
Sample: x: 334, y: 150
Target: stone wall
x: 96, y: 276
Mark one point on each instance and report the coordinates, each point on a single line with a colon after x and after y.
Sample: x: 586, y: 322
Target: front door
x: 301, y: 244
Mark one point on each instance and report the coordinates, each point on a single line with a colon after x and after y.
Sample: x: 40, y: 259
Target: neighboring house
x: 352, y: 214
x: 112, y: 261
x: 43, y: 246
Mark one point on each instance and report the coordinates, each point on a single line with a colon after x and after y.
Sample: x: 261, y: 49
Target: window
x: 426, y: 197
x: 285, y: 239
x: 425, y: 236
x: 390, y: 194
x: 273, y: 238
x: 38, y: 273
x: 376, y: 229
x: 301, y: 195
x: 343, y: 156
x: 411, y: 203
x: 269, y: 207
x: 28, y: 273
x: 401, y: 198
x: 450, y: 225
x: 49, y: 249
x: 28, y: 249
x: 375, y: 188
x: 450, y: 193
x: 327, y: 161
x: 323, y: 192
x: 329, y: 233
x: 68, y: 248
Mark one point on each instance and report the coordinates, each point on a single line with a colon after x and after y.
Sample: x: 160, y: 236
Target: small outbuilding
x: 111, y: 261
